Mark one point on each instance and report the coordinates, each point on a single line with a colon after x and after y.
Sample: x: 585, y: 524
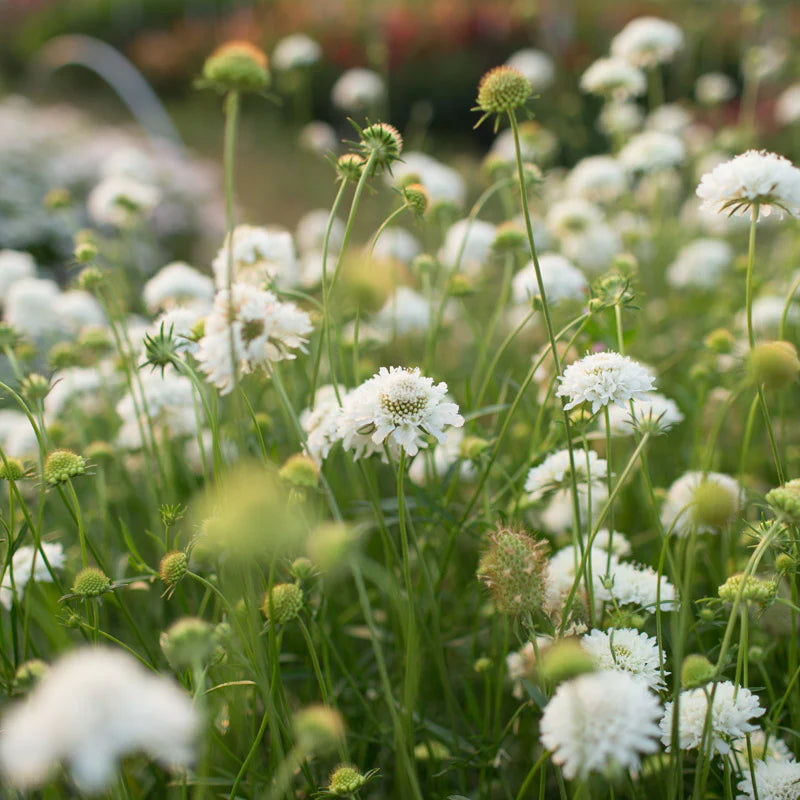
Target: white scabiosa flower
x: 295, y: 52
x: 598, y: 179
x: 17, y: 437
x: 762, y: 748
x: 571, y: 216
x: 714, y: 88
x: 310, y: 232
x: 602, y: 379
x: 81, y: 384
x: 181, y: 321
x: 614, y: 79
x: 28, y: 565
x: 731, y: 711
x: 626, y: 650
x: 443, y: 457
x: 755, y: 177
x: 468, y: 244
x: 537, y: 144
x: 654, y: 410
x: 561, y: 278
x: 652, y: 150
x: 120, y: 201
x: 264, y: 330
x: 405, y: 312
x: 260, y: 255
x: 600, y: 720
x: 75, y: 309
x: 561, y: 571
x: 701, y: 501
x: 594, y: 248
x: 647, y: 42
x: 358, y: 90
x: 14, y: 265
x: 535, y: 65
x: 94, y: 707
x: 700, y: 264
x: 767, y: 313
x: 775, y: 780
x: 398, y: 407
x: 787, y: 106
x: 320, y: 422
x: 669, y: 118
x: 177, y: 284
x: 318, y: 137
x: 444, y: 184
x: 638, y: 585
x: 28, y: 307
x: 554, y: 473
x: 620, y: 119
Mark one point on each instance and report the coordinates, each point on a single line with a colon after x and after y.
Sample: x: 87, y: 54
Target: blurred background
x: 80, y: 80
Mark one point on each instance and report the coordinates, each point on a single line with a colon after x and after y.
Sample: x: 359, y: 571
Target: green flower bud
x: 61, y: 465
x: 300, y: 470
x: 11, y: 469
x: 713, y: 505
x: 785, y: 564
x: 510, y: 238
x: 188, y: 643
x: 344, y: 780
x: 773, y: 364
x: 350, y: 166
x: 302, y: 569
x: 237, y: 66
x: 473, y: 447
x: 785, y: 500
x: 502, y: 89
x: 90, y: 279
x: 417, y: 197
x: 35, y: 387
x: 719, y: 341
x: 173, y: 567
x: 331, y: 545
x: 91, y: 582
x: 756, y: 590
x: 282, y: 603
x: 562, y: 660
x: 696, y: 671
x: 483, y: 664
x: 318, y: 729
x: 58, y: 199
x: 28, y: 674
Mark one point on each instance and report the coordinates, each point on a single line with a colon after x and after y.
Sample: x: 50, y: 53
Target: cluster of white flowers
x: 700, y: 264
x: 259, y: 255
x: 120, y: 200
x: 776, y: 779
x: 652, y: 150
x: 561, y: 278
x: 14, y: 265
x: 27, y: 564
x: 753, y: 179
x: 295, y: 52
x: 647, y: 42
x: 627, y: 650
x: 255, y: 328
x: 599, y: 179
x: 177, y: 284
x: 614, y: 78
x: 555, y: 473
x: 94, y: 707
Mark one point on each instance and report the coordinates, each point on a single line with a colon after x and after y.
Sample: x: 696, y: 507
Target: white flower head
x: 652, y: 150
x: 358, y: 89
x: 655, y: 410
x: 680, y: 511
x: 620, y: 119
x: 598, y: 720
x: 264, y: 330
x: 310, y: 232
x: 260, y: 255
x: 714, y: 88
x: 614, y: 79
x: 555, y: 473
x: 318, y: 137
x: 648, y: 41
x: 776, y: 779
x: 295, y: 51
x: 120, y: 201
x: 28, y: 564
x: 641, y: 586
x: 700, y: 264
x: 94, y: 707
x: 627, y: 650
x: 398, y: 407
x: 599, y: 179
x: 731, y: 711
x: 561, y: 278
x: 602, y: 379
x: 444, y: 184
x: 535, y: 65
x: 320, y: 422
x: 754, y: 178
x: 14, y: 265
x: 175, y: 284
x: 468, y: 245
x: 787, y: 106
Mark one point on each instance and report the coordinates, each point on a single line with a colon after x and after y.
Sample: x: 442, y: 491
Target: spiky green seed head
x: 61, y: 465
x: 785, y: 500
x: 513, y: 568
x: 696, y: 671
x: 417, y: 197
x: 562, y: 660
x: 64, y: 355
x: 344, y: 780
x: 713, y: 505
x: 302, y: 569
x: 237, y: 66
x: 300, y: 470
x: 35, y: 386
x: 720, y: 341
x: 91, y: 582
x: 502, y: 89
x: 318, y: 729
x: 173, y: 567
x: 11, y: 469
x: 773, y: 364
x: 753, y: 590
x: 381, y: 142
x: 283, y: 603
x: 349, y: 167
x: 28, y: 674
x: 90, y: 279
x: 188, y: 643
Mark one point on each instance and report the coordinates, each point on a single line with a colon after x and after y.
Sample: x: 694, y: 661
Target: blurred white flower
x: 600, y: 720
x: 787, y: 106
x: 260, y: 255
x: 776, y: 779
x: 620, y: 119
x: 14, y: 265
x: 714, y: 88
x: 398, y: 244
x: 679, y: 511
x: 294, y: 52
x: 444, y: 184
x: 554, y: 473
x: 27, y: 564
x: 561, y: 278
x: 175, y: 284
x: 535, y: 65
x: 358, y: 90
x: 318, y: 137
x: 598, y: 179
x: 310, y: 232
x: 468, y: 244
x: 653, y: 408
x: 700, y: 264
x: 647, y: 42
x: 614, y: 78
x: 320, y: 422
x: 652, y: 150
x: 120, y: 201
x: 94, y: 707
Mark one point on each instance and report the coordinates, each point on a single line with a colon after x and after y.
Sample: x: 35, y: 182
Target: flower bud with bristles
x: 282, y: 603
x: 85, y: 252
x: 35, y: 387
x: 58, y: 199
x: 91, y: 582
x: 350, y: 166
x: 61, y: 465
x: 563, y: 660
x: 473, y: 447
x: 318, y: 729
x: 188, y: 643
x: 509, y: 238
x: 237, y: 66
x: 753, y: 589
x: 90, y: 279
x: 173, y: 567
x: 719, y: 341
x: 11, y: 469
x: 696, y: 671
x: 773, y: 364
x: 514, y: 569
x: 382, y: 143
x: 346, y: 779
x: 417, y: 198
x: 300, y: 470
x: 785, y: 500
x: 501, y: 90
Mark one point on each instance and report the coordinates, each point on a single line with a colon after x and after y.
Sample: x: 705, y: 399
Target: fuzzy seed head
x: 753, y: 589
x: 417, y: 196
x: 300, y: 470
x: 91, y: 582
x: 502, y: 89
x: 713, y: 505
x: 513, y: 568
x: 349, y: 167
x: 696, y: 671
x: 774, y: 364
x: 61, y: 465
x: 173, y: 567
x: 90, y: 279
x: 345, y: 780
x: 383, y: 142
x: 563, y: 660
x: 785, y: 500
x: 282, y: 603
x: 237, y: 66
x: 188, y: 643
x: 11, y: 469
x: 318, y: 729
x: 35, y: 387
